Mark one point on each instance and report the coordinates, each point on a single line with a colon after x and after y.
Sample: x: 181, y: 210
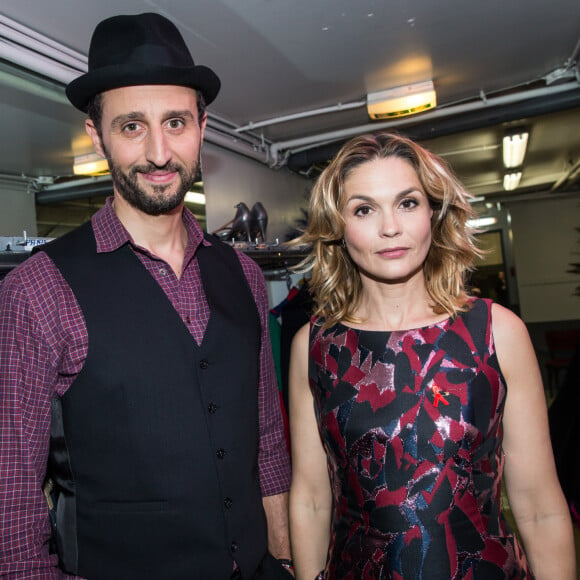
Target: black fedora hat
x: 140, y: 49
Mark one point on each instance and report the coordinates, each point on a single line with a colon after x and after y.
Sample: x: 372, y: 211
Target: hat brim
x: 201, y: 78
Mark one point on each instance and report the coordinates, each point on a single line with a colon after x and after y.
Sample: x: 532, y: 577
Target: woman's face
x: 387, y: 220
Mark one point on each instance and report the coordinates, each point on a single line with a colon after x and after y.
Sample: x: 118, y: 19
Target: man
x: 137, y: 350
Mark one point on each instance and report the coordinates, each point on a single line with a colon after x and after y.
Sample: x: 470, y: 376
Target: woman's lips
x: 393, y: 252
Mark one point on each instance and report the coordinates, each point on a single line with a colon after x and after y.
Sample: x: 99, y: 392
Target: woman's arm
x: 310, y: 492
x: 534, y: 493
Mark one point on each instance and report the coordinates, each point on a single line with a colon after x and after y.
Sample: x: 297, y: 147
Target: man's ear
x: 202, y: 123
x: 95, y: 138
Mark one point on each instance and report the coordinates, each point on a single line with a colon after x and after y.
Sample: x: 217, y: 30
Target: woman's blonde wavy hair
x: 335, y: 282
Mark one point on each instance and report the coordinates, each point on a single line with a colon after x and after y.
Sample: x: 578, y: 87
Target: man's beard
x: 157, y: 202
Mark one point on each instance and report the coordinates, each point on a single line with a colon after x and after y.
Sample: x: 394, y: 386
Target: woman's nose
x: 390, y: 225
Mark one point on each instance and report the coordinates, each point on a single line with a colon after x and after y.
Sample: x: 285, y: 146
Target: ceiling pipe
x: 38, y: 53
x: 280, y: 149
x: 71, y: 191
x: 37, y: 63
x: 80, y: 182
x: 526, y: 197
x: 18, y: 33
x: 254, y: 149
x: 569, y: 174
x: 304, y: 114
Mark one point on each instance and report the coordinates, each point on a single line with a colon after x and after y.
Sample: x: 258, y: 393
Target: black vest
x: 155, y: 452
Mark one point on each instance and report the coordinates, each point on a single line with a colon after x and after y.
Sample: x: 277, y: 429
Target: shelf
x: 268, y: 259
x: 276, y: 259
x: 9, y: 260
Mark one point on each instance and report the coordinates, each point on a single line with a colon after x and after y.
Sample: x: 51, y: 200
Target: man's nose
x: 158, y: 151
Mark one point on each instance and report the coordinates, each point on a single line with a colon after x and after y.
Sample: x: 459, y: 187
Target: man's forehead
x: 149, y: 98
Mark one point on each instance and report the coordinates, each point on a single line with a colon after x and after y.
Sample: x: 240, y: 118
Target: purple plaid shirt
x: 43, y: 345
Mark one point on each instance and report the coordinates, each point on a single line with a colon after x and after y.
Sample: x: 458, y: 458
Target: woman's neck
x: 396, y: 306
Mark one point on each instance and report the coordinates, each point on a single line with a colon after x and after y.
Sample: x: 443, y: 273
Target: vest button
x: 228, y: 503
x: 234, y: 547
x: 212, y: 408
x: 221, y: 453
x: 203, y: 364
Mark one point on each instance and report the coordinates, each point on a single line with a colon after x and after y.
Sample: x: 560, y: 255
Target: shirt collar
x: 110, y: 234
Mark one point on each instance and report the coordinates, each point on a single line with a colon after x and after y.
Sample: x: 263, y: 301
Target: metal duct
x: 73, y: 191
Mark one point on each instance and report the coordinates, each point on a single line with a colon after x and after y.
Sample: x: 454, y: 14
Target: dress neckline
x: 440, y: 324
x: 445, y: 322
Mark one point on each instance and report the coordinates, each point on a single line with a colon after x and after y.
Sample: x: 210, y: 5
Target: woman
x: 408, y: 398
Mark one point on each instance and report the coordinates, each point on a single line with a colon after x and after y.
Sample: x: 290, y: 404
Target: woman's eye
x: 363, y: 210
x: 409, y: 203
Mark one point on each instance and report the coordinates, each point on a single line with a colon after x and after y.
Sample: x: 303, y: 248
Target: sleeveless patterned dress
x: 411, y: 424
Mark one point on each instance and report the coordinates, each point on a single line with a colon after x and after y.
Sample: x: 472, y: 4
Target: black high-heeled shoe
x: 258, y: 222
x: 237, y: 229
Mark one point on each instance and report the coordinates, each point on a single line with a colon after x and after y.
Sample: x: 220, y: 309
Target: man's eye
x: 175, y: 123
x: 131, y: 127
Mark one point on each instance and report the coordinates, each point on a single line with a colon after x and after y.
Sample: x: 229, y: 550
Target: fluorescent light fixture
x: 195, y: 197
x: 481, y: 222
x: 511, y: 180
x: 90, y: 164
x: 478, y: 199
x: 402, y: 101
x: 514, y: 149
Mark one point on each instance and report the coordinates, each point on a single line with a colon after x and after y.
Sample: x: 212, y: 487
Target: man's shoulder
x: 246, y: 261
x: 33, y: 266
x: 251, y: 269
x: 36, y: 276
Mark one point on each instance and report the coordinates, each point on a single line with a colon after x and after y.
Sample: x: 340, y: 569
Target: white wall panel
x: 17, y: 209
x: 545, y: 242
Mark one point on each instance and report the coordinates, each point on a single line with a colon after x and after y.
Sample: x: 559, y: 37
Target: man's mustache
x: 151, y: 168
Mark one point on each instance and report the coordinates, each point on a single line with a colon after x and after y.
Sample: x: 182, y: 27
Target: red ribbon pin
x: 438, y: 396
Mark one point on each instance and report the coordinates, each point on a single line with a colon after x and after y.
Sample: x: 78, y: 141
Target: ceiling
x: 495, y: 65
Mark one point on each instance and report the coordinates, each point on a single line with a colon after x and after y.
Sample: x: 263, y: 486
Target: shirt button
x: 221, y: 453
x: 212, y: 408
x: 228, y: 503
x: 162, y: 271
x: 234, y: 547
x: 203, y: 364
